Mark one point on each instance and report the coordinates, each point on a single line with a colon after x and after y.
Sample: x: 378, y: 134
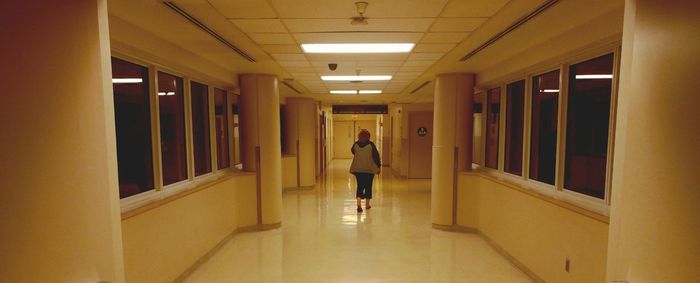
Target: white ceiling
x: 272, y: 30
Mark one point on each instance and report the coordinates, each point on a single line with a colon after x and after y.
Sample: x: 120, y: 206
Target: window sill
x: 584, y: 205
x: 146, y: 201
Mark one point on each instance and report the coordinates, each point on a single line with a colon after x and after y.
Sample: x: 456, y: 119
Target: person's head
x: 363, y: 136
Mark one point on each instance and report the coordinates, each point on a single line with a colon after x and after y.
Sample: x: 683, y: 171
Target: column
x: 301, y: 118
x: 452, y: 142
x: 654, y: 225
x: 60, y: 212
x: 260, y: 142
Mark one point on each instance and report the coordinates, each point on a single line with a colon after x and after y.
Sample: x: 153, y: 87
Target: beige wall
x: 161, y: 243
x: 537, y: 231
x: 60, y: 206
x: 289, y: 171
x: 342, y: 139
x: 654, y: 228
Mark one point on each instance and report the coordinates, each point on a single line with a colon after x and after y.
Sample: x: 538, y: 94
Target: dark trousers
x: 364, y: 185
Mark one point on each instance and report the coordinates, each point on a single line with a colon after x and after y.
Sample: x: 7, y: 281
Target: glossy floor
x: 324, y: 239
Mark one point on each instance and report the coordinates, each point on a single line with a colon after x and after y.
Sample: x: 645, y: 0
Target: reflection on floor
x: 324, y: 239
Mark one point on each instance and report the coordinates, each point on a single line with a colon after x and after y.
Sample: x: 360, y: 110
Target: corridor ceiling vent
x: 420, y: 86
x: 206, y: 29
x: 511, y: 28
x: 357, y: 48
x: 361, y: 9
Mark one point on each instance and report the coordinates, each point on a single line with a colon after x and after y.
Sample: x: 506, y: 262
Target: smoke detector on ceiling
x: 361, y: 9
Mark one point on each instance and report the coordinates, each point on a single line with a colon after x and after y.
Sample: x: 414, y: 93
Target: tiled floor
x: 324, y: 239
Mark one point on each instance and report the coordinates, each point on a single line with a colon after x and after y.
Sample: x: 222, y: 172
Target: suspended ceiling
x: 272, y: 30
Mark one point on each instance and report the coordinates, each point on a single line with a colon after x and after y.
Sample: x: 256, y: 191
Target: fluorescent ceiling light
x: 370, y: 91
x: 127, y: 81
x: 356, y: 78
x: 549, y: 90
x: 358, y: 48
x: 343, y: 91
x: 169, y: 93
x: 589, y: 77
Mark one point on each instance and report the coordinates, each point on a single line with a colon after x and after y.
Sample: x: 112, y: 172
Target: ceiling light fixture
x: 169, y: 93
x: 594, y: 77
x: 127, y: 81
x: 355, y: 78
x: 358, y: 47
x: 549, y: 90
x: 364, y: 91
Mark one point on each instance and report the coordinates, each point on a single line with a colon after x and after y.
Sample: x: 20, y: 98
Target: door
x: 420, y: 144
x: 343, y: 138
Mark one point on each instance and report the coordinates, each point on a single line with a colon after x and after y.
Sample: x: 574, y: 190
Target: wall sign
x: 422, y: 131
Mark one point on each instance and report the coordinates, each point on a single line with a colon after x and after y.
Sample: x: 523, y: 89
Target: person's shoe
x: 359, y: 209
x: 368, y: 207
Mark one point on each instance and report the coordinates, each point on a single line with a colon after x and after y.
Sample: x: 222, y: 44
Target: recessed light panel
x: 356, y: 78
x: 127, y: 81
x: 358, y: 48
x: 370, y: 91
x: 343, y: 92
x: 593, y: 77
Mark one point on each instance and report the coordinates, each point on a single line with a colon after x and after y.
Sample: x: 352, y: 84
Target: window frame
x: 556, y: 191
x: 159, y: 191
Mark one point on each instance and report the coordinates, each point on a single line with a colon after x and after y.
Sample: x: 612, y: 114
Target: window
x: 132, y: 117
x: 236, y: 132
x: 515, y: 106
x: 543, y: 134
x: 587, y: 125
x: 478, y: 122
x: 200, y: 128
x: 172, y: 128
x: 220, y: 104
x: 493, y: 97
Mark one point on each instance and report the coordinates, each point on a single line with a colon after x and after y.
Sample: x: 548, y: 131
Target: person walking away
x: 365, y: 164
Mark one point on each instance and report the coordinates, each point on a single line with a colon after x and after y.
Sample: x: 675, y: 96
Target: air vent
x: 511, y: 28
x: 206, y: 29
x: 420, y: 86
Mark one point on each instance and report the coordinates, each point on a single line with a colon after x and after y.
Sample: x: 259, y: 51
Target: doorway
x: 420, y: 144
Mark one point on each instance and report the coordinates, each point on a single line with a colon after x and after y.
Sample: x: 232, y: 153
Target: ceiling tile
x: 413, y: 68
x: 300, y: 69
x: 456, y: 24
x: 346, y: 8
x: 380, y: 63
x: 359, y: 37
x: 425, y: 63
x: 272, y: 38
x: 326, y: 62
x: 471, y: 8
x: 343, y: 25
x: 281, y: 48
x: 431, y: 47
x: 445, y: 37
x: 243, y: 9
x: 305, y: 76
x: 289, y: 57
x: 288, y: 64
x: 425, y: 56
x: 407, y: 75
x: 259, y: 25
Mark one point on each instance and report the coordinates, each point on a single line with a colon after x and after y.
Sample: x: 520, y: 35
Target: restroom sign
x: 422, y: 131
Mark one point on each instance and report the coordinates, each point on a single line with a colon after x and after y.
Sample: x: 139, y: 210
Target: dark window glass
x: 220, y: 103
x: 200, y: 128
x: 588, y: 117
x: 132, y: 118
x: 478, y: 105
x: 515, y: 107
x: 172, y: 128
x: 236, y: 131
x: 543, y: 137
x: 493, y: 97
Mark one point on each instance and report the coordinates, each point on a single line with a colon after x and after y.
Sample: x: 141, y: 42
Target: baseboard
x: 224, y: 241
x: 493, y: 244
x: 294, y: 189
